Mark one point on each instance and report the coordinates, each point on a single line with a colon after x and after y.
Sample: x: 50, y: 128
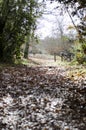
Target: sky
x: 47, y: 23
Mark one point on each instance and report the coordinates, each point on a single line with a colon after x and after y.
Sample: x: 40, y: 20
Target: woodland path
x: 41, y: 98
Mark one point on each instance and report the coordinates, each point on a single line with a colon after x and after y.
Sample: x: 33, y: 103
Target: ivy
x: 17, y: 19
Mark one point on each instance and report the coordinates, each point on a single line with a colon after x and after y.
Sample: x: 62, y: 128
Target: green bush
x: 80, y: 57
x: 84, y: 47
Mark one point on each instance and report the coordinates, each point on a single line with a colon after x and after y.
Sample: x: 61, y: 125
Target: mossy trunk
x: 26, y: 50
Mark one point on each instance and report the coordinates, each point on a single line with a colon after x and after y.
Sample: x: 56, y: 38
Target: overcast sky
x: 47, y: 23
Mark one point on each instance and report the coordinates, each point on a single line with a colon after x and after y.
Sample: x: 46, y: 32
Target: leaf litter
x: 41, y: 98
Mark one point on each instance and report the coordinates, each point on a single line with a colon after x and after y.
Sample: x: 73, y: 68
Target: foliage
x: 52, y: 45
x: 79, y: 9
x: 84, y: 47
x: 80, y: 57
x: 17, y: 19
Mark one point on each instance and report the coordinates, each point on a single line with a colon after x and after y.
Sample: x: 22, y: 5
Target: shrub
x: 80, y: 57
x: 84, y: 47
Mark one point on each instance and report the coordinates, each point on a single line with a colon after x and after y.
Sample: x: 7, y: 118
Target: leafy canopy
x: 17, y: 19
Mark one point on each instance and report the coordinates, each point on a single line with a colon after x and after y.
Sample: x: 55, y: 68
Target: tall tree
x: 33, y: 14
x: 16, y: 22
x: 78, y: 7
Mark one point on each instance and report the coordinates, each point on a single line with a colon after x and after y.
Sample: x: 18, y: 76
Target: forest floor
x: 47, y: 95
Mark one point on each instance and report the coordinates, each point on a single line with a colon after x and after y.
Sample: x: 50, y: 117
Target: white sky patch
x: 48, y: 21
x: 45, y: 30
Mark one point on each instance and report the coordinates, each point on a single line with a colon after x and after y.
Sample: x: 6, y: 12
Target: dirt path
x: 44, y: 60
x: 41, y: 98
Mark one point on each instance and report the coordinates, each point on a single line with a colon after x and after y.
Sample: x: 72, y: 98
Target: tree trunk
x: 55, y: 57
x: 26, y: 50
